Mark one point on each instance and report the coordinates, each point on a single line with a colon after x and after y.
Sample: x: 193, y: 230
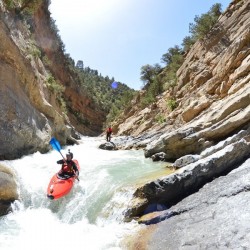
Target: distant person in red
x: 108, y: 133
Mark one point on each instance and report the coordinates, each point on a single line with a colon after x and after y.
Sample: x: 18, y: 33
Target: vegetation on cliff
x: 109, y: 95
x: 158, y: 79
x: 98, y: 89
x: 110, y: 101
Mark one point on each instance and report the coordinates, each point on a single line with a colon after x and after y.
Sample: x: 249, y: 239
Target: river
x: 91, y: 216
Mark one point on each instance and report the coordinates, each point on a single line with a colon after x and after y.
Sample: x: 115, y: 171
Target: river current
x: 91, y: 216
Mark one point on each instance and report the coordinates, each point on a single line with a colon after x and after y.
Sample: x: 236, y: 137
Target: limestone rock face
x: 30, y: 112
x: 208, y: 137
x: 214, y: 217
x: 221, y: 120
x: 92, y: 116
x: 212, y: 92
x: 23, y: 126
x: 171, y: 189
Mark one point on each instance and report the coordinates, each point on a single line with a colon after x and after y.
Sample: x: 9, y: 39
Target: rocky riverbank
x: 216, y: 217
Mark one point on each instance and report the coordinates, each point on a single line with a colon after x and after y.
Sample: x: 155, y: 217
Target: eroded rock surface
x: 171, y: 189
x: 216, y: 217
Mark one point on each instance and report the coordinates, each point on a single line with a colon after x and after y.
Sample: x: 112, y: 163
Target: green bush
x: 53, y: 86
x: 10, y: 4
x: 205, y: 22
x: 160, y: 119
x: 35, y: 51
x: 172, y: 104
x: 147, y: 100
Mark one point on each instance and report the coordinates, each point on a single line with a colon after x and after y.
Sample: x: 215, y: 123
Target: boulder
x: 185, y: 160
x: 8, y: 189
x: 159, y: 157
x: 174, y: 187
x: 108, y: 146
x: 213, y: 218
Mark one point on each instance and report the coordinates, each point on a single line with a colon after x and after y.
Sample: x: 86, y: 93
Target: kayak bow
x: 60, y: 186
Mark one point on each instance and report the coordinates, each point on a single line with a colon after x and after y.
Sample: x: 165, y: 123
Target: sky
x: 118, y: 37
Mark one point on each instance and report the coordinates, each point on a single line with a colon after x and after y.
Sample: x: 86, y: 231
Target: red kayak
x: 60, y: 186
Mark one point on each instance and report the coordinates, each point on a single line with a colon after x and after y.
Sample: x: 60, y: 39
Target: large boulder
x: 8, y: 189
x: 216, y: 217
x: 108, y: 146
x: 174, y: 187
x: 224, y: 119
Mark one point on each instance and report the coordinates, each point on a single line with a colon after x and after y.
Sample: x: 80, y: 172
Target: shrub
x: 53, y: 86
x: 205, y: 22
x: 172, y: 104
x: 35, y: 51
x: 160, y: 118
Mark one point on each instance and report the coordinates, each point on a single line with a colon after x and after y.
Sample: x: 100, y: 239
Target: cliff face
x: 212, y: 92
x: 74, y: 94
x: 207, y: 137
x: 30, y: 112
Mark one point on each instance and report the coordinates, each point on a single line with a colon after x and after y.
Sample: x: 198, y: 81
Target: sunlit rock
x: 8, y: 189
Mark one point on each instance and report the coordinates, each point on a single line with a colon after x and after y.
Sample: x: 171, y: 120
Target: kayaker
x: 69, y: 167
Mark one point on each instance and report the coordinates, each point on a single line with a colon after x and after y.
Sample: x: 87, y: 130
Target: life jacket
x: 109, y: 130
x: 68, y: 168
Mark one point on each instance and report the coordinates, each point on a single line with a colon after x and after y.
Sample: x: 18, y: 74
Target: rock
x: 31, y: 110
x: 108, y: 146
x: 214, y: 217
x: 221, y: 123
x: 8, y: 189
x: 159, y: 156
x: 212, y: 92
x: 195, y: 108
x: 185, y: 160
x: 174, y: 187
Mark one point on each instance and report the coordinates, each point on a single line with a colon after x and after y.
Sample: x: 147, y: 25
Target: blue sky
x: 118, y: 37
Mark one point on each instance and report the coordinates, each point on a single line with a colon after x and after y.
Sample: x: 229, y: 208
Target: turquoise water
x: 91, y: 216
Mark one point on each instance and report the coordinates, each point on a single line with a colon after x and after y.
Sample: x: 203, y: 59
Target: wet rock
x: 185, y: 160
x: 108, y: 146
x: 171, y: 189
x: 213, y: 218
x: 8, y: 189
x: 159, y: 157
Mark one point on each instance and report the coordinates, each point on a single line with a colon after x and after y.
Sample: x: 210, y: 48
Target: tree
x: 29, y: 4
x: 205, y: 22
x: 149, y: 72
x: 168, y: 57
x: 79, y: 64
x: 187, y: 43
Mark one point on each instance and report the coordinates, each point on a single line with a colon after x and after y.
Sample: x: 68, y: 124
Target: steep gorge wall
x: 208, y: 134
x: 30, y: 113
x: 212, y: 93
x: 213, y: 90
x: 79, y: 101
x: 23, y: 126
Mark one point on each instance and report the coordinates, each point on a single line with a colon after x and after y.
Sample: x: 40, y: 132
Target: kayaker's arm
x: 61, y: 162
x: 76, y: 170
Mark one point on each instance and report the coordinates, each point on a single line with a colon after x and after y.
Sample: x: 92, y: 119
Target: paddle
x: 56, y: 145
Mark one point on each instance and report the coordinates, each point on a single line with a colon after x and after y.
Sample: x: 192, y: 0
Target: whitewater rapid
x: 91, y: 216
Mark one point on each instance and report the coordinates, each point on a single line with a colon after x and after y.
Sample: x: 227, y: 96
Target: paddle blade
x: 55, y: 144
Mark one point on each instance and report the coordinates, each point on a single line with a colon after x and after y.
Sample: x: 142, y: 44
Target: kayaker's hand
x: 76, y: 175
x: 60, y: 162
